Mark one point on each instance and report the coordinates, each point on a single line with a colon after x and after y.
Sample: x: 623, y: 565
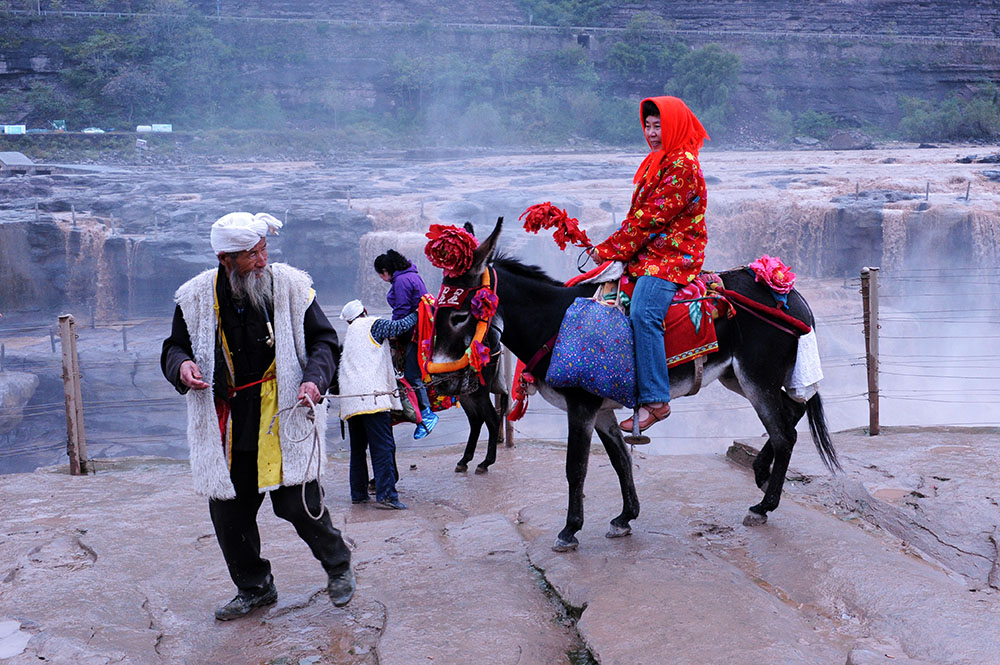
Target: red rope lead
x: 769, y: 314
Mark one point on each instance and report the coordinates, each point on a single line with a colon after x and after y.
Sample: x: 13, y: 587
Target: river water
x: 932, y: 225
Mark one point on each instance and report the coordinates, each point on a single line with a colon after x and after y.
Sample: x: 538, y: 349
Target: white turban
x: 352, y: 310
x: 240, y: 231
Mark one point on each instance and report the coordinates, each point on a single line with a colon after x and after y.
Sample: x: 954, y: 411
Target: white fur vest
x: 365, y: 368
x: 292, y: 296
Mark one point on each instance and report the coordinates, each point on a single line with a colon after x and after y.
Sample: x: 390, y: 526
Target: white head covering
x: 352, y: 310
x: 240, y: 231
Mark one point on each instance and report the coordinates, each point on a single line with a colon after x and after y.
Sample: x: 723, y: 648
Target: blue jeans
x: 650, y: 301
x: 372, y: 431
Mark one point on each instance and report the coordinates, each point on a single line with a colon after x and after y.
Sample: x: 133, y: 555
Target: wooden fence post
x: 76, y: 440
x: 869, y: 301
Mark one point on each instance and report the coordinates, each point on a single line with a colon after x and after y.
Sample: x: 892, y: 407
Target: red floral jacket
x: 664, y: 233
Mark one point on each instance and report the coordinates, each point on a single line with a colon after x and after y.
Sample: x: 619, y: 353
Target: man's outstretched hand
x: 191, y: 375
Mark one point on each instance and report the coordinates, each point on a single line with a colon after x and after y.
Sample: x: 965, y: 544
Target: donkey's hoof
x: 565, y: 545
x: 754, y: 519
x: 482, y: 469
x: 461, y: 468
x: 618, y: 531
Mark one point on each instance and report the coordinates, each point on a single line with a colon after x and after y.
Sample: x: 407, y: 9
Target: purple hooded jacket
x: 405, y: 293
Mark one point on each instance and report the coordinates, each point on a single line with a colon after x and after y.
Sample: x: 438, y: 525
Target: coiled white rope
x: 313, y: 430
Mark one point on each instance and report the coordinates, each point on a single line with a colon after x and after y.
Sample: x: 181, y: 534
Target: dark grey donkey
x: 753, y: 360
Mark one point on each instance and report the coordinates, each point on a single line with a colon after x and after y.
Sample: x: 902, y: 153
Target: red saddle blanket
x: 689, y: 326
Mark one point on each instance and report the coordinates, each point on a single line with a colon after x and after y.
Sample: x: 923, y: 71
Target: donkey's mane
x: 515, y: 266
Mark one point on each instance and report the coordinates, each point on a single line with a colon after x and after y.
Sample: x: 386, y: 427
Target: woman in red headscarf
x: 661, y: 240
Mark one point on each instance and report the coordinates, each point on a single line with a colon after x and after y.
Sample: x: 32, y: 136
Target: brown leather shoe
x: 653, y: 415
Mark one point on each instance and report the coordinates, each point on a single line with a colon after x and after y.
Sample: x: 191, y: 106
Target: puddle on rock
x: 891, y: 494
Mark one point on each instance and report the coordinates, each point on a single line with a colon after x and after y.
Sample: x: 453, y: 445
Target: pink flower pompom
x: 774, y: 273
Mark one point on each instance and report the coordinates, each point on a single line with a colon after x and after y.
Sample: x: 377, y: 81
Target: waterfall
x: 410, y: 245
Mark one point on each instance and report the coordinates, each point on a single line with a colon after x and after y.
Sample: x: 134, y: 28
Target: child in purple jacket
x: 404, y: 296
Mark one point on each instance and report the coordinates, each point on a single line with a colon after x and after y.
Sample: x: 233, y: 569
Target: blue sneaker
x: 430, y: 419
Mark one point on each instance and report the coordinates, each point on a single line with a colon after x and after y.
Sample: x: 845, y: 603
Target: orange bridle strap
x: 480, y: 334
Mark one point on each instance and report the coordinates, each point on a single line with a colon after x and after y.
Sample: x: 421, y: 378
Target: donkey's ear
x: 468, y: 227
x: 484, y: 253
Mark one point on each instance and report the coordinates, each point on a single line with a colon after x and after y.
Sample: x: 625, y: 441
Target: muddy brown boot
x: 246, y: 601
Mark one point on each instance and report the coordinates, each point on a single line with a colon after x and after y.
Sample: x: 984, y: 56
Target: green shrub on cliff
x: 431, y: 87
x: 953, y: 119
x: 815, y: 124
x: 644, y: 53
x: 567, y: 12
x: 705, y: 79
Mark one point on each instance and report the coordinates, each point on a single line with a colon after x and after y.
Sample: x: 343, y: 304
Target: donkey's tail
x: 820, y: 434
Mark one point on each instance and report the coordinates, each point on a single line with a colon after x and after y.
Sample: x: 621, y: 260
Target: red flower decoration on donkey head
x: 450, y: 248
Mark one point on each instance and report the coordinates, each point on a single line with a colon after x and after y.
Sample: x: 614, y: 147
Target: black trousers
x: 373, y: 431
x: 235, y: 522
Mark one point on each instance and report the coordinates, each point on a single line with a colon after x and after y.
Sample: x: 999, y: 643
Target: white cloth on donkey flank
x: 803, y: 381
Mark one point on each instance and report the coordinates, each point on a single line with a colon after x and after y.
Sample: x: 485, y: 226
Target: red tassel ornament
x: 547, y: 216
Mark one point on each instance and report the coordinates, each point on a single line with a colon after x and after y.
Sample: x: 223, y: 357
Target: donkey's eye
x: 459, y: 318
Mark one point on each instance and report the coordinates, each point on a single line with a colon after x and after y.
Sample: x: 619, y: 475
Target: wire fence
x: 939, y: 349
x: 938, y: 365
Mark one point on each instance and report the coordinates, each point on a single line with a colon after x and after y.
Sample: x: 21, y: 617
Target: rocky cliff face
x: 961, y: 18
x: 851, y: 59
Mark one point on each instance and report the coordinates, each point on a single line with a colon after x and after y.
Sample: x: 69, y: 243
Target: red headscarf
x: 680, y: 129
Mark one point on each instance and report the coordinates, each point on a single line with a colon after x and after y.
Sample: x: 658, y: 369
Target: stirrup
x: 636, y: 437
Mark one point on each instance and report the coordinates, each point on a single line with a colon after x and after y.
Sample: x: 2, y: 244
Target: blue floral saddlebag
x: 593, y: 351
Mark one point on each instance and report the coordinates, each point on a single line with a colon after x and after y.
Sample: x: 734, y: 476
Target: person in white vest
x: 249, y: 340
x: 367, y: 395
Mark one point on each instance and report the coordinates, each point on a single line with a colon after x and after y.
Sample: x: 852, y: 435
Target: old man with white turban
x: 248, y: 341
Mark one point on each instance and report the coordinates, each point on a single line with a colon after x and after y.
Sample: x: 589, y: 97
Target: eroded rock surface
x: 122, y: 567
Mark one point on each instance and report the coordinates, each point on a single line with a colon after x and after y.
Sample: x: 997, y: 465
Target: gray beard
x: 252, y: 290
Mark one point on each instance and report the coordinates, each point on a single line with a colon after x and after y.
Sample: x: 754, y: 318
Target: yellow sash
x: 268, y: 445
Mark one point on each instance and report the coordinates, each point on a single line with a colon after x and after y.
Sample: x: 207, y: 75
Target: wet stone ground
x: 892, y: 561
